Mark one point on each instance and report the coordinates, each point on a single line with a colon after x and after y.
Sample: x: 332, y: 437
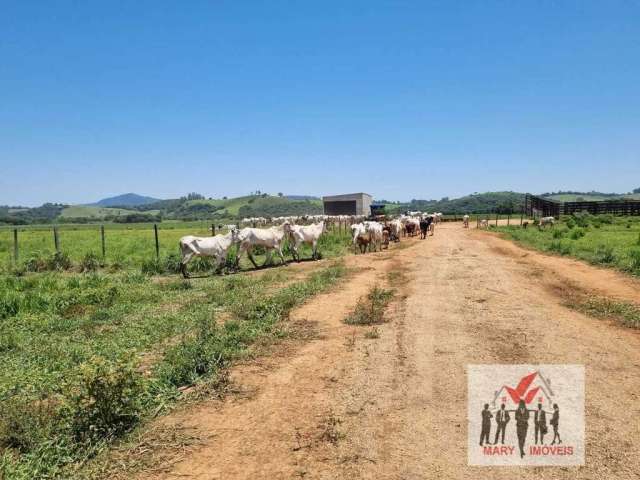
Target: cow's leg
x: 279, y: 248
x: 315, y: 250
x: 250, y: 255
x: 183, y: 264
x: 267, y: 260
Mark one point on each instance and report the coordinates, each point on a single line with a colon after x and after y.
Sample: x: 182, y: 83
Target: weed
x: 89, y: 263
x: 370, y: 310
x: 604, y: 254
x: 372, y: 334
x: 577, y: 233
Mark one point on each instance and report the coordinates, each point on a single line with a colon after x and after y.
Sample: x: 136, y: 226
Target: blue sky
x: 399, y: 99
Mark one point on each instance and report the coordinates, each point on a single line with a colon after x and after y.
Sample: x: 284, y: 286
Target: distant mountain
x: 126, y: 200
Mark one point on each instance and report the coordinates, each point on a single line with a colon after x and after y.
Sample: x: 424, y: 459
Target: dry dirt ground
x: 342, y: 405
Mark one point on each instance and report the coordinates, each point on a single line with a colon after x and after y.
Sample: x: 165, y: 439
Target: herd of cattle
x: 371, y: 235
x: 366, y: 235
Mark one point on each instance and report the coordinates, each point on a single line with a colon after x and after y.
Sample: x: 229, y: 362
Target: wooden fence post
x: 477, y: 221
x: 15, y: 246
x: 508, y: 219
x: 155, y: 231
x: 104, y: 245
x: 213, y: 229
x: 497, y: 219
x: 56, y: 239
x: 521, y: 215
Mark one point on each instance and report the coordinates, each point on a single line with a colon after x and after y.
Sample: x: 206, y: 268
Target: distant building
x: 348, y: 204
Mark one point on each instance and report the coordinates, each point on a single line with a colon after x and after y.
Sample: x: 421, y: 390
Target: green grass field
x: 128, y: 246
x: 88, y: 356
x: 601, y: 240
x: 86, y: 211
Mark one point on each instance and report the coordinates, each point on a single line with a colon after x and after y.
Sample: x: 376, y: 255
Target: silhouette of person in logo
x: 555, y: 420
x: 540, y: 422
x: 522, y: 425
x: 502, y: 418
x: 486, y: 425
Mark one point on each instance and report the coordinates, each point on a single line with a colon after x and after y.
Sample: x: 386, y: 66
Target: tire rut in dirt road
x: 469, y: 304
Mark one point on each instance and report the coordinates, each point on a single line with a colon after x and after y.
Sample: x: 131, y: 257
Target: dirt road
x: 345, y: 405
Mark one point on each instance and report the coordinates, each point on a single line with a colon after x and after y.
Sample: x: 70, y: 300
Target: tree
x: 280, y: 194
x: 636, y: 190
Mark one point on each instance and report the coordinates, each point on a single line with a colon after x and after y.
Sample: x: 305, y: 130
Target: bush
x: 570, y: 222
x: 89, y: 263
x: 558, y: 233
x: 577, y: 233
x: 604, y: 254
x: 105, y: 400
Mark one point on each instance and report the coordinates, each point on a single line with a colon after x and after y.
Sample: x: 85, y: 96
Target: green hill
x: 489, y: 202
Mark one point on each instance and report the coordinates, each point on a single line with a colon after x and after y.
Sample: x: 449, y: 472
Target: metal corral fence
x: 541, y: 207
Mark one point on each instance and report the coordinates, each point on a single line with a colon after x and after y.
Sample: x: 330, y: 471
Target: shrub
x: 105, y: 400
x: 604, y: 254
x: 558, y: 233
x: 89, y: 263
x: 577, y: 233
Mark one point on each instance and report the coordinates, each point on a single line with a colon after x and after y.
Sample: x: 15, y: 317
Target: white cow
x: 484, y: 223
x: 304, y: 234
x: 361, y: 237
x: 269, y: 238
x: 215, y: 247
x: 544, y: 221
x: 465, y: 221
x: 375, y: 230
x: 396, y: 229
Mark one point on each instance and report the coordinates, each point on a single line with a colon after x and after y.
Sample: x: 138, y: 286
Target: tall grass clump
x: 604, y: 254
x: 370, y: 309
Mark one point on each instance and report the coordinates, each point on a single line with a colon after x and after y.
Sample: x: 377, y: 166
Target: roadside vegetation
x: 603, y: 240
x: 370, y: 309
x: 87, y: 357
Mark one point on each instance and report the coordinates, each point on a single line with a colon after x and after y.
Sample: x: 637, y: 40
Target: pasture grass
x: 370, y: 309
x: 128, y: 246
x: 598, y: 239
x: 87, y: 357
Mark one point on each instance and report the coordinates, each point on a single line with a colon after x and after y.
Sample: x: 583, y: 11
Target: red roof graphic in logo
x: 520, y: 392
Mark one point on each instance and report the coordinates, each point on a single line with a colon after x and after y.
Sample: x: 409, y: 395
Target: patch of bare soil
x: 346, y: 405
